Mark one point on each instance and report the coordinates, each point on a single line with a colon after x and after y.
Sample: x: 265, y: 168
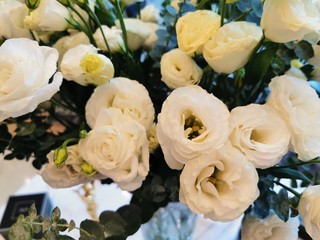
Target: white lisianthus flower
x: 288, y: 20
x: 260, y: 134
x: 67, y: 42
x: 50, y: 15
x: 131, y: 97
x: 25, y: 71
x: 299, y: 105
x: 195, y: 28
x: 84, y: 65
x: 272, y: 227
x: 12, y: 15
x: 153, y: 37
x: 231, y: 46
x: 137, y: 32
x: 113, y: 36
x: 70, y: 173
x: 152, y: 138
x: 221, y: 184
x: 118, y: 148
x: 309, y: 210
x: 315, y: 60
x: 192, y: 122
x: 149, y: 14
x: 178, y: 69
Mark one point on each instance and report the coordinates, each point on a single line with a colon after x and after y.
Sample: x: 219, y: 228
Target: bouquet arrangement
x: 210, y: 103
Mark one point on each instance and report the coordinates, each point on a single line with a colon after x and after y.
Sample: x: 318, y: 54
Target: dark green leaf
x: 131, y: 215
x: 48, y: 235
x: 56, y: 214
x: 72, y: 225
x: 26, y: 128
x: 281, y: 205
x: 64, y: 237
x: 114, y: 224
x: 304, y: 50
x: 171, y: 10
x: 289, y: 173
x: 20, y: 231
x: 92, y: 227
x: 62, y: 222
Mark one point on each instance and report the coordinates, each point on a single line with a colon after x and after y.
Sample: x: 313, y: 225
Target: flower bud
x: 32, y: 4
x: 60, y: 156
x: 87, y: 169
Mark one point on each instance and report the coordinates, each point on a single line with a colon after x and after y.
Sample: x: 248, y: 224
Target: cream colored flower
x: 67, y: 42
x: 179, y: 70
x: 84, y: 65
x: 113, y: 37
x: 152, y: 138
x: 153, y: 37
x: 118, y: 148
x: 288, y: 20
x: 137, y: 32
x: 25, y: 71
x: 192, y: 122
x: 149, y: 14
x: 299, y: 106
x: 70, y: 173
x: 131, y: 97
x: 195, y: 28
x: 221, y: 184
x: 309, y: 210
x: 231, y: 46
x: 260, y: 134
x: 12, y: 14
x: 272, y: 227
x: 50, y: 15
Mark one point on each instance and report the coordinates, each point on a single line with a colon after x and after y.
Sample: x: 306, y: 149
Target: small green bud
x: 32, y: 4
x: 60, y: 156
x: 88, y: 169
x: 83, y: 134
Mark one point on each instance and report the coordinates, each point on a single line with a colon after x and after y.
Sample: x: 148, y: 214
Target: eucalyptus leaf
x: 289, y: 173
x: 281, y: 205
x: 55, y: 214
x: 26, y: 128
x: 95, y: 229
x: 114, y: 224
x: 131, y: 215
x: 20, y: 231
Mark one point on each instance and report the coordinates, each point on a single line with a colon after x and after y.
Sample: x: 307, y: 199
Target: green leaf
x: 56, y: 214
x: 64, y: 237
x: 114, y: 224
x: 33, y: 211
x: 20, y: 231
x: 48, y: 235
x: 288, y: 173
x: 95, y: 229
x: 281, y: 205
x: 62, y: 221
x: 46, y: 223
x: 26, y: 128
x: 260, y: 63
x: 304, y: 50
x: 131, y: 215
x: 72, y: 225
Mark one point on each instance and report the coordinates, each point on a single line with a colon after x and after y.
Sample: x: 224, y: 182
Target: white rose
x: 288, y: 20
x: 149, y: 14
x: 128, y: 95
x: 113, y: 36
x: 12, y: 14
x: 195, y: 28
x: 69, y: 173
x: 84, y: 65
x: 272, y: 227
x: 309, y: 210
x: 118, y: 148
x: 231, y: 46
x: 253, y: 133
x: 50, y: 15
x: 137, y: 32
x: 191, y: 122
x: 179, y: 70
x: 221, y: 185
x: 25, y: 71
x: 67, y: 42
x: 298, y: 104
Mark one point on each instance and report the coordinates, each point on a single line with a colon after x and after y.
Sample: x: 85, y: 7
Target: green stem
x: 313, y: 161
x: 222, y: 11
x: 201, y: 4
x: 123, y: 27
x: 67, y: 226
x: 70, y: 140
x: 288, y: 189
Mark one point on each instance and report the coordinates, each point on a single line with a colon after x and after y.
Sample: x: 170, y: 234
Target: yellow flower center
x: 193, y: 127
x: 91, y: 63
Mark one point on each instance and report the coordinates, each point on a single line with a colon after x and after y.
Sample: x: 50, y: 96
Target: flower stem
x: 201, y: 4
x: 313, y: 161
x: 223, y: 11
x: 288, y: 189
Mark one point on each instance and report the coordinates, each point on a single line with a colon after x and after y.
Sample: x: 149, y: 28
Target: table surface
x: 20, y: 178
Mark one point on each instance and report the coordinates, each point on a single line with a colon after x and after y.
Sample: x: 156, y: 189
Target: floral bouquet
x: 210, y: 103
